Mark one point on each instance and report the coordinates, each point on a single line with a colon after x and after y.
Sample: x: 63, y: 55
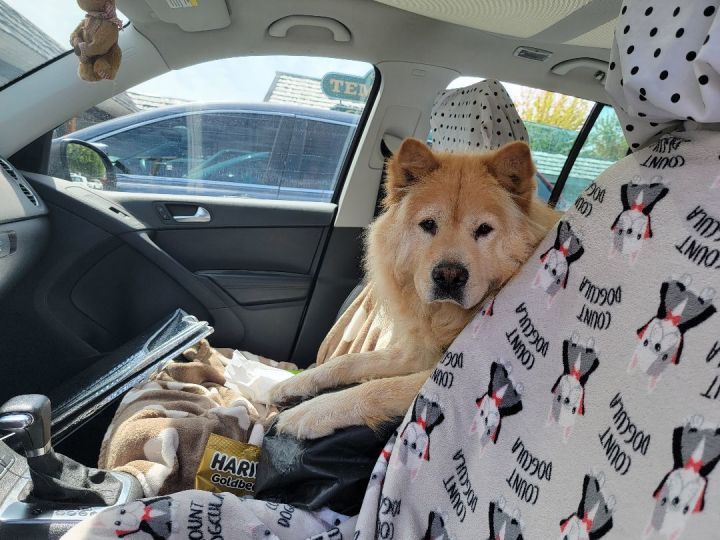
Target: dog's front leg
x: 343, y: 370
x: 370, y: 404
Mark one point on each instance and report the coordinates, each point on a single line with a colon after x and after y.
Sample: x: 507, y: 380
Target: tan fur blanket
x: 161, y: 426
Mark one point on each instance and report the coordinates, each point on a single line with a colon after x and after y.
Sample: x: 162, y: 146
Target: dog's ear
x: 409, y: 165
x: 512, y: 165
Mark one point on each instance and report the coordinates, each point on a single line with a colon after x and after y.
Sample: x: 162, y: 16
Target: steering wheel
x: 120, y: 166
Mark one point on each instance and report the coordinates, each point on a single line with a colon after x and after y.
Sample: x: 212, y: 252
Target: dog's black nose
x: 449, y: 276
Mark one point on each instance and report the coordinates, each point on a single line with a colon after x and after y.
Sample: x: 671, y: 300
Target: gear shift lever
x: 28, y: 417
x: 56, y: 477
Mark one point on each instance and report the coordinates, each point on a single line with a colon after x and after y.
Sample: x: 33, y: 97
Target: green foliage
x: 606, y: 140
x: 82, y: 160
x: 550, y: 139
x: 552, y: 109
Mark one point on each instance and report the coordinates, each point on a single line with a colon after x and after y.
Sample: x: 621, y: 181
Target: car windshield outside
x: 34, y: 32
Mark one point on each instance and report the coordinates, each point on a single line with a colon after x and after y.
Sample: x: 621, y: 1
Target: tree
x: 606, y: 140
x: 83, y: 161
x: 553, y: 109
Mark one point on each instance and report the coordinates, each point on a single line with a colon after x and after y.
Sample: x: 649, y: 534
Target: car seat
x: 583, y: 401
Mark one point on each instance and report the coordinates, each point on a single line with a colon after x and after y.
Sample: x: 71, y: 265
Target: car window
x: 310, y: 162
x: 147, y: 148
x: 604, y: 146
x: 284, y: 135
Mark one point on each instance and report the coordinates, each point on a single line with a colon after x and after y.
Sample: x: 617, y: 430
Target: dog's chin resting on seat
x: 454, y: 229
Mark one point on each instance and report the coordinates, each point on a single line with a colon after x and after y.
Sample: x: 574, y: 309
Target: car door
x: 121, y: 259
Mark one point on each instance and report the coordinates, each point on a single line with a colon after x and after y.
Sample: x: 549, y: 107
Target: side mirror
x: 85, y: 163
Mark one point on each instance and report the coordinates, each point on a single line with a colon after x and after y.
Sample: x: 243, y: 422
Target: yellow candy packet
x: 228, y: 465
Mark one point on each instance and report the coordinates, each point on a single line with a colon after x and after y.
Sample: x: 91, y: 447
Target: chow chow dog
x: 454, y: 229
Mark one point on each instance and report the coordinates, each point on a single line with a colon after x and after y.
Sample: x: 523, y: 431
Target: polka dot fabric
x: 476, y: 118
x: 665, y: 66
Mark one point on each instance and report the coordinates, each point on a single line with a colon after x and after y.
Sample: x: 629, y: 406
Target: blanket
x: 362, y: 327
x: 161, y: 427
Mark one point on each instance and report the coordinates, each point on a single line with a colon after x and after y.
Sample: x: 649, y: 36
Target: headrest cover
x: 476, y: 118
x: 664, y: 66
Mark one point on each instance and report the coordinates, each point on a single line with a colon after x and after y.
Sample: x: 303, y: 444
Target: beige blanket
x: 161, y: 427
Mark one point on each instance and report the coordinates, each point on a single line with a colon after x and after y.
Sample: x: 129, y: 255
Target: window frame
x: 357, y: 136
x: 575, y: 152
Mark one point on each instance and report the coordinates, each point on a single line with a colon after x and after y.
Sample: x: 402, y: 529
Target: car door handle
x: 201, y: 215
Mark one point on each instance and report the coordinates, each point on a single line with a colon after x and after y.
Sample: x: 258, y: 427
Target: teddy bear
x: 95, y: 40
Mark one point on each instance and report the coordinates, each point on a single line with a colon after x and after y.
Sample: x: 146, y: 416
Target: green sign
x: 348, y: 87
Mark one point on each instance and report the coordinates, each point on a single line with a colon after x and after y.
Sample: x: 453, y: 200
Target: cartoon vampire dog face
x: 579, y: 362
x: 415, y: 436
x: 660, y: 340
x: 593, y: 518
x: 436, y: 529
x: 696, y: 451
x: 555, y: 263
x: 503, y: 398
x: 504, y: 524
x: 632, y: 226
x: 151, y: 516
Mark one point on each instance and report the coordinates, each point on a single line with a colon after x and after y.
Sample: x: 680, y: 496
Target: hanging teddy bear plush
x: 95, y: 41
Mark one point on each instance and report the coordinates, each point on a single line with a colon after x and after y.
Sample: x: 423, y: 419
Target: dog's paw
x: 317, y: 418
x: 292, y: 390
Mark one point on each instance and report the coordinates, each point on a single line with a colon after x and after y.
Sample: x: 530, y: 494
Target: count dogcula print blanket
x: 584, y: 402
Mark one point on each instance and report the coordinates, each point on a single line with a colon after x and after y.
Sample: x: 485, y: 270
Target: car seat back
x: 582, y: 402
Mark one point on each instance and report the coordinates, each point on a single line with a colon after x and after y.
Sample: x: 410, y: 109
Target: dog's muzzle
x: 449, y: 279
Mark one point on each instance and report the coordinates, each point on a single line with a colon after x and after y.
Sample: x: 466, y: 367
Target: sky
x: 234, y: 79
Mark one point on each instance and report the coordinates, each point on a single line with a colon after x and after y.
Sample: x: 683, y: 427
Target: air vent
x: 29, y: 194
x: 9, y: 169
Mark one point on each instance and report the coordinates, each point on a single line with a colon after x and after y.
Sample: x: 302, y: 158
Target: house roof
x: 306, y: 91
x: 585, y: 168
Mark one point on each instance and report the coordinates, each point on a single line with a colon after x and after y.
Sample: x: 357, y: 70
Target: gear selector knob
x: 28, y: 416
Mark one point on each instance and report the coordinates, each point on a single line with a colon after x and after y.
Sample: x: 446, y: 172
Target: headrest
x: 665, y: 66
x: 476, y: 118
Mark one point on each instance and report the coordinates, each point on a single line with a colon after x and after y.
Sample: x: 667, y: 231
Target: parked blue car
x: 264, y: 151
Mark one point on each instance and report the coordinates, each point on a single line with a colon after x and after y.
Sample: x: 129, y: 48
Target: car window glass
x: 35, y: 32
x: 281, y: 132
x: 604, y: 146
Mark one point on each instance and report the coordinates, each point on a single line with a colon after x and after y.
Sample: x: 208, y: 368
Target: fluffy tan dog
x: 454, y: 230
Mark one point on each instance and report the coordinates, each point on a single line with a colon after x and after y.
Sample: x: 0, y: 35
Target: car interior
x: 101, y: 286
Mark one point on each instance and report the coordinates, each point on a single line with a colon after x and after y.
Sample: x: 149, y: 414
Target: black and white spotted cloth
x: 476, y: 118
x: 665, y: 67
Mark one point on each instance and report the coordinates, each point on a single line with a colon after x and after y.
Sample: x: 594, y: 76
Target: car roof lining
x: 384, y: 33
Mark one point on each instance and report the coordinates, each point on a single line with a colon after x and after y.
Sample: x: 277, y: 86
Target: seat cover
x: 475, y: 118
x: 665, y: 67
x: 584, y: 401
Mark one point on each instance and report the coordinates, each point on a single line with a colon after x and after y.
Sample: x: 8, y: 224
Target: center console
x: 44, y: 493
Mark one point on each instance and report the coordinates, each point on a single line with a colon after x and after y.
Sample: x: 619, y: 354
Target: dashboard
x: 24, y: 225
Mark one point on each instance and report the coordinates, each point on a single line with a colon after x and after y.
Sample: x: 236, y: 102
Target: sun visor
x: 192, y: 15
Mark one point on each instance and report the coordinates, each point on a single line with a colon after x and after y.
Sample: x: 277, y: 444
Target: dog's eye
x: 429, y: 226
x: 483, y: 230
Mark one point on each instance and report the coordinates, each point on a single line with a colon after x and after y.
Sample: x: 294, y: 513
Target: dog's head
x: 456, y: 225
